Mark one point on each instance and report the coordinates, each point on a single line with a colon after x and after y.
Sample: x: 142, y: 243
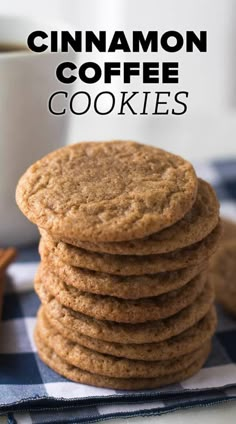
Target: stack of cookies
x: 127, y: 231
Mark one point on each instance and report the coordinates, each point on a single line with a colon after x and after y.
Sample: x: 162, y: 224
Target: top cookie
x: 112, y: 191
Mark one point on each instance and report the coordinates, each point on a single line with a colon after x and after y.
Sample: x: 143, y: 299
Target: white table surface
x: 218, y: 414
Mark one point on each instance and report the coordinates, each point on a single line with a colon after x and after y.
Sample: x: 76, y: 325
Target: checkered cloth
x: 31, y: 392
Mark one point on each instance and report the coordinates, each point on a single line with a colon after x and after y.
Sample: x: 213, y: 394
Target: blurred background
x: 208, y: 129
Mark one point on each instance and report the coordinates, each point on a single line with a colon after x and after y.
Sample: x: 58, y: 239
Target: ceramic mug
x: 27, y: 129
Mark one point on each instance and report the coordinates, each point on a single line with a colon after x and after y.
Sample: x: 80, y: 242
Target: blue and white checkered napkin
x: 31, y: 392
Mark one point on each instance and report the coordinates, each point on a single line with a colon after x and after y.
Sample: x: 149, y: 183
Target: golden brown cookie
x: 184, y: 343
x: 78, y: 375
x: 149, y: 332
x: 130, y: 287
x: 229, y: 230
x: 108, y: 365
x: 223, y: 271
x: 120, y: 310
x: 110, y: 191
x: 193, y: 227
x: 133, y: 265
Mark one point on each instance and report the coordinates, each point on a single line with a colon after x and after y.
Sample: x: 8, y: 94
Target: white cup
x: 27, y: 129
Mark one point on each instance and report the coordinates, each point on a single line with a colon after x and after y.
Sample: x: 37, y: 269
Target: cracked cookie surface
x: 58, y: 364
x: 184, y: 343
x: 193, y: 227
x: 131, y: 264
x: 120, y: 310
x: 126, y: 287
x: 107, y: 191
x: 108, y: 365
x: 111, y: 331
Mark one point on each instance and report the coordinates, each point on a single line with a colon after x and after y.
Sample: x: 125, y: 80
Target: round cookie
x: 223, y: 271
x: 193, y: 227
x: 59, y: 365
x: 133, y: 265
x: 112, y: 191
x: 95, y: 362
x: 130, y: 287
x: 184, y: 343
x: 120, y: 310
x: 149, y: 332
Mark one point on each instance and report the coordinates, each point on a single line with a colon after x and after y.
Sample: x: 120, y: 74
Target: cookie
x: 108, y: 365
x: 184, y: 343
x: 133, y: 265
x: 48, y: 355
x: 104, y: 192
x: 131, y: 287
x: 149, y: 332
x: 229, y: 230
x: 119, y: 310
x: 193, y: 227
x: 222, y: 271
